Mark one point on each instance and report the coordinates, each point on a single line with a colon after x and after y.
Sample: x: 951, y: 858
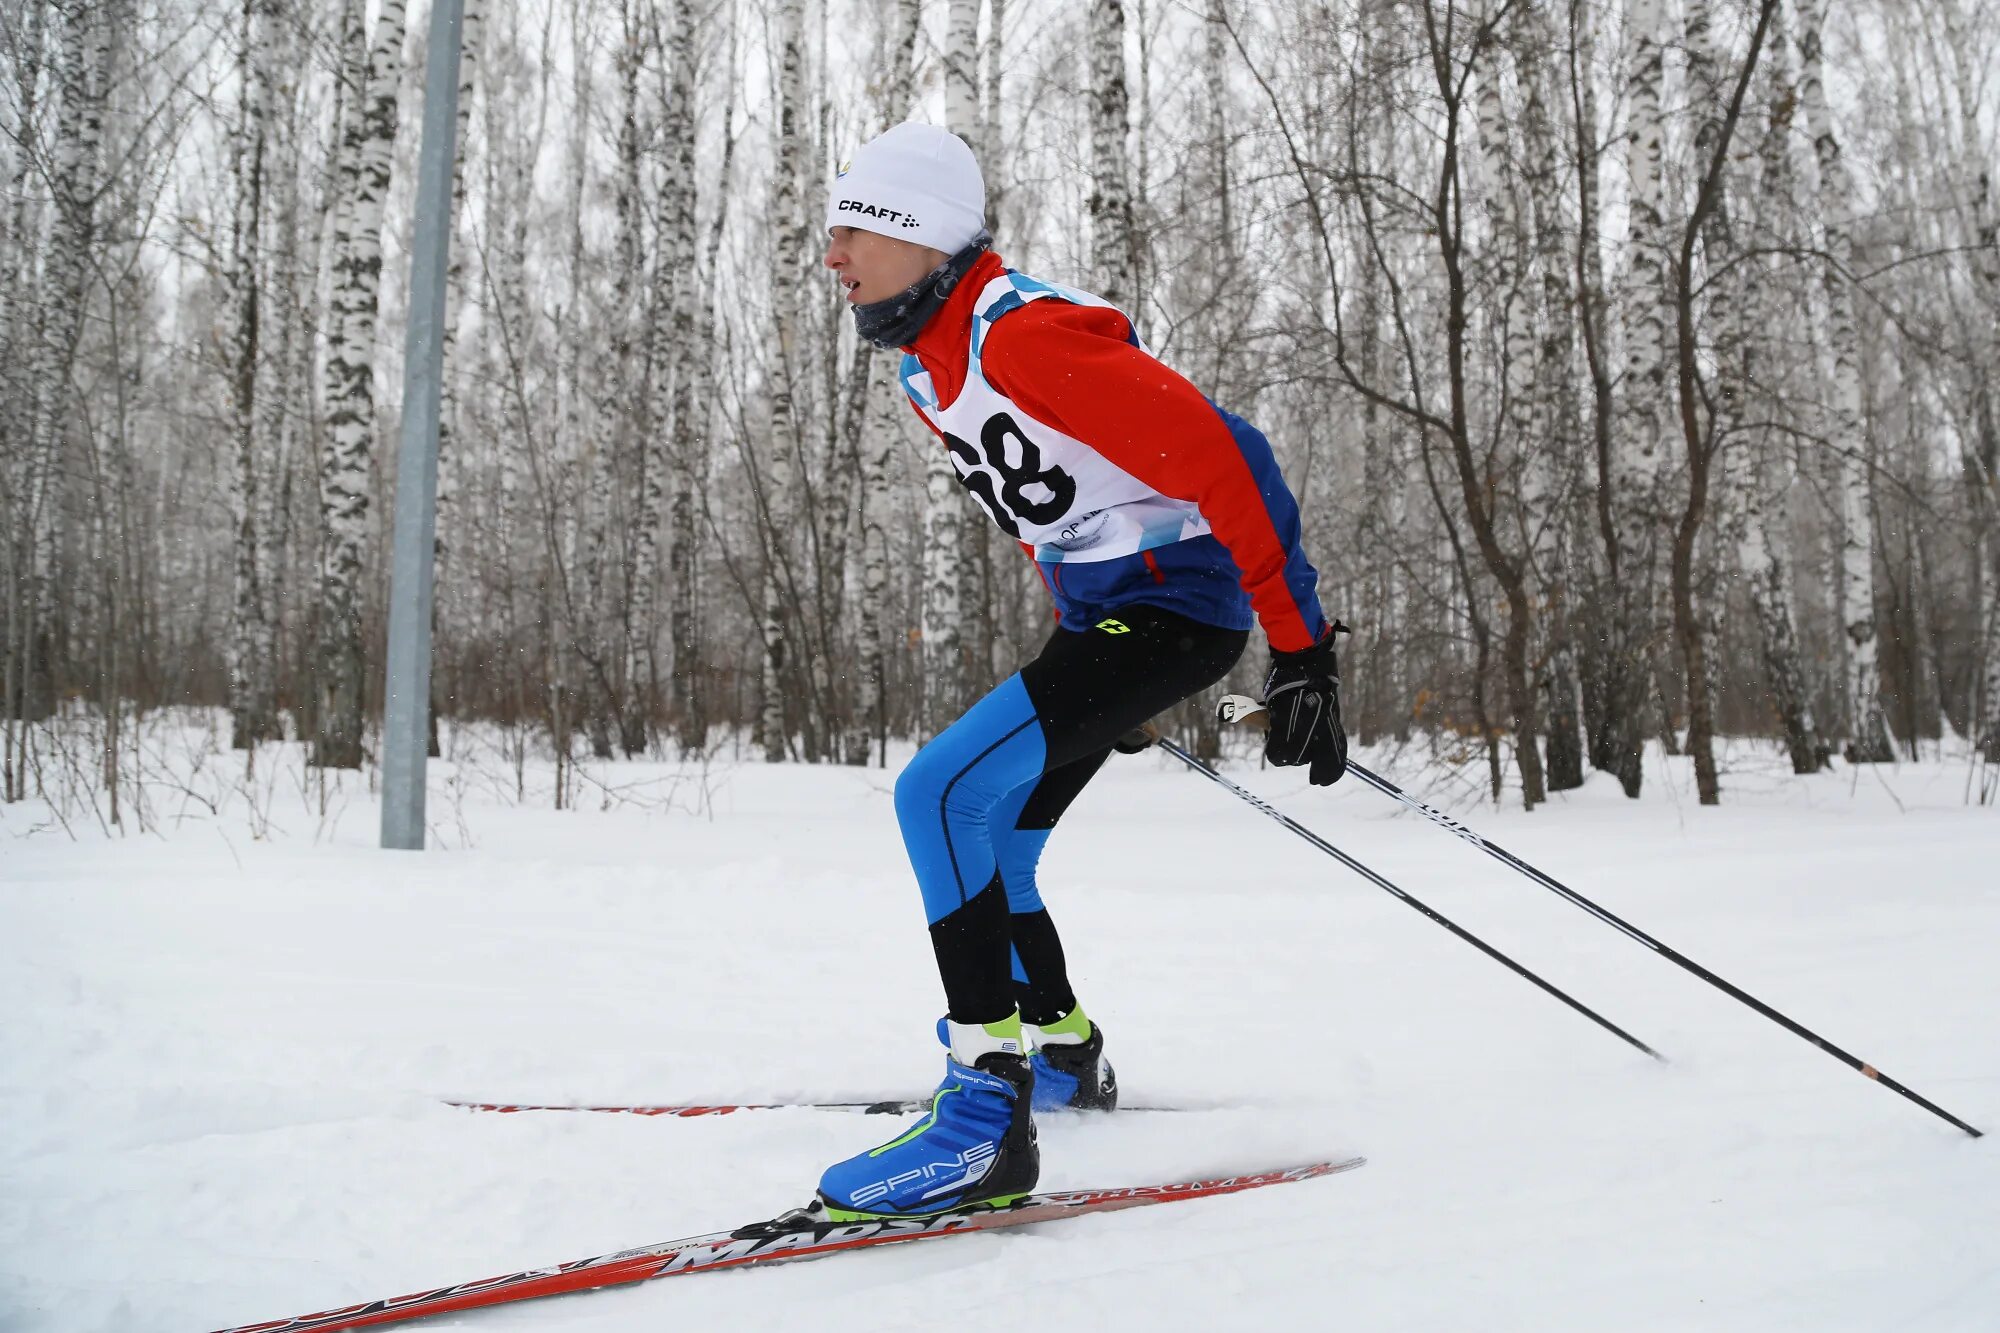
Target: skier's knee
x: 920, y: 786
x: 951, y: 778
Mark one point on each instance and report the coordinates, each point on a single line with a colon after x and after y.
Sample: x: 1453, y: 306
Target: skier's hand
x: 1139, y: 738
x: 1303, y: 696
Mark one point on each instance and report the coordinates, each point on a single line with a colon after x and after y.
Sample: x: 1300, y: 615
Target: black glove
x: 1303, y: 696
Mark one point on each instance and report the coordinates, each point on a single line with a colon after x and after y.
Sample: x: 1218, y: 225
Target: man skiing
x: 1163, y: 530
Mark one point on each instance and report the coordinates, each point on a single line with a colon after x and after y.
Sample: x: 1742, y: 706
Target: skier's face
x: 872, y: 267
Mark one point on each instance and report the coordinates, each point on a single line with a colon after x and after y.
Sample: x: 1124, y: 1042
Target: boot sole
x: 994, y: 1204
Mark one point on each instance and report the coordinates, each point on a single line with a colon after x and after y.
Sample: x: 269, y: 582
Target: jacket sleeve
x: 1077, y: 368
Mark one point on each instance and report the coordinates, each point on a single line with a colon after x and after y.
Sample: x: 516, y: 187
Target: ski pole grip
x: 1242, y: 710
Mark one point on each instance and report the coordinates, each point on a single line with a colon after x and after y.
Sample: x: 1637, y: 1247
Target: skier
x: 1163, y: 530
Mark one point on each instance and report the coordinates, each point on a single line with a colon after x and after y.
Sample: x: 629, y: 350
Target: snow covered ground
x: 222, y: 1056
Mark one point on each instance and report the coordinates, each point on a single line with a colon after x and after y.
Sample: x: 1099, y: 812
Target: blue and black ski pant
x: 977, y: 804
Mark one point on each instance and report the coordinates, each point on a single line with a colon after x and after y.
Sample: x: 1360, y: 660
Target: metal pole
x: 1672, y: 955
x: 407, y: 690
x: 1379, y: 882
x: 1239, y: 708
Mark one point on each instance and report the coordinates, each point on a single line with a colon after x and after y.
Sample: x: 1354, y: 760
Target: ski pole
x: 1379, y: 882
x: 1236, y: 707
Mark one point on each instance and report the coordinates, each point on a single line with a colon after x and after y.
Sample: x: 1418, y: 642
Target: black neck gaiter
x: 896, y: 321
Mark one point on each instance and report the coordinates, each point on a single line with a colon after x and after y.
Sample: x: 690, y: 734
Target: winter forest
x: 1632, y: 360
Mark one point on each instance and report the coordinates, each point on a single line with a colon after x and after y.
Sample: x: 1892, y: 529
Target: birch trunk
x: 504, y: 321
x: 1380, y: 484
x: 1868, y: 734
x: 19, y: 357
x: 882, y: 430
x: 882, y: 423
x: 1113, y: 226
x: 472, y: 25
x: 250, y: 682
x: 689, y: 404
x: 81, y: 75
x: 993, y: 146
x: 647, y: 430
x: 585, y: 693
x: 781, y: 447
x: 1989, y: 731
x: 368, y: 140
x: 1709, y: 225
x: 1506, y: 262
x: 1602, y: 673
x: 282, y: 409
x: 1710, y: 230
x: 1555, y: 462
x: 1756, y: 485
x: 1980, y: 459
x: 284, y: 377
x: 691, y: 462
x: 1767, y: 573
x: 945, y: 531
x: 1640, y: 443
x: 961, y: 74
x: 19, y: 238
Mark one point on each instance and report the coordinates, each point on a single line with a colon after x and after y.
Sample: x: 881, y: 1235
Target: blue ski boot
x: 976, y: 1147
x: 1071, y: 1072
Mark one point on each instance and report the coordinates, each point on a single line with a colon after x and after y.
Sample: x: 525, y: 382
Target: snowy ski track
x: 222, y: 1058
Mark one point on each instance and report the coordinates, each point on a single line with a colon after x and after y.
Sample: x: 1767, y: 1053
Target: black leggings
x: 977, y: 804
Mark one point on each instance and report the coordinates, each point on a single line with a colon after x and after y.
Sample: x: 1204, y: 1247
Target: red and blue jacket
x: 1121, y: 480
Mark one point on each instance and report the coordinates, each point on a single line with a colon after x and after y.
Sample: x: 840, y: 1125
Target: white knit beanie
x: 914, y: 182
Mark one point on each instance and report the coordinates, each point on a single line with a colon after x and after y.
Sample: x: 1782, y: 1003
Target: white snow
x: 223, y: 1057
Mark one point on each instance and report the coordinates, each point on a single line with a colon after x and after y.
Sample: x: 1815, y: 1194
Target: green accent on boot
x: 993, y: 1204
x: 968, y: 1042
x: 1072, y: 1024
x: 920, y: 1126
x: 1007, y: 1029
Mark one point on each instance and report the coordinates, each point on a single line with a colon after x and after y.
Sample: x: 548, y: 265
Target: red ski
x: 794, y: 1235
x: 894, y: 1106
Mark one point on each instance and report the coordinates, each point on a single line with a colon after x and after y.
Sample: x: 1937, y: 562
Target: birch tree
x: 19, y: 355
x: 250, y: 685
x: 688, y: 407
x: 1707, y: 223
x: 1852, y: 447
x: 1611, y: 732
x: 781, y: 445
x: 946, y: 680
x: 665, y: 359
x: 1979, y: 214
x: 692, y: 662
x: 1640, y: 440
x: 1555, y: 463
x: 472, y: 23
x: 1758, y: 465
x: 583, y: 695
x: 1114, y: 235
x: 1452, y: 423
x: 883, y: 423
x: 285, y: 335
x: 1381, y: 494
x: 84, y: 64
x: 1507, y: 258
x: 368, y: 137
